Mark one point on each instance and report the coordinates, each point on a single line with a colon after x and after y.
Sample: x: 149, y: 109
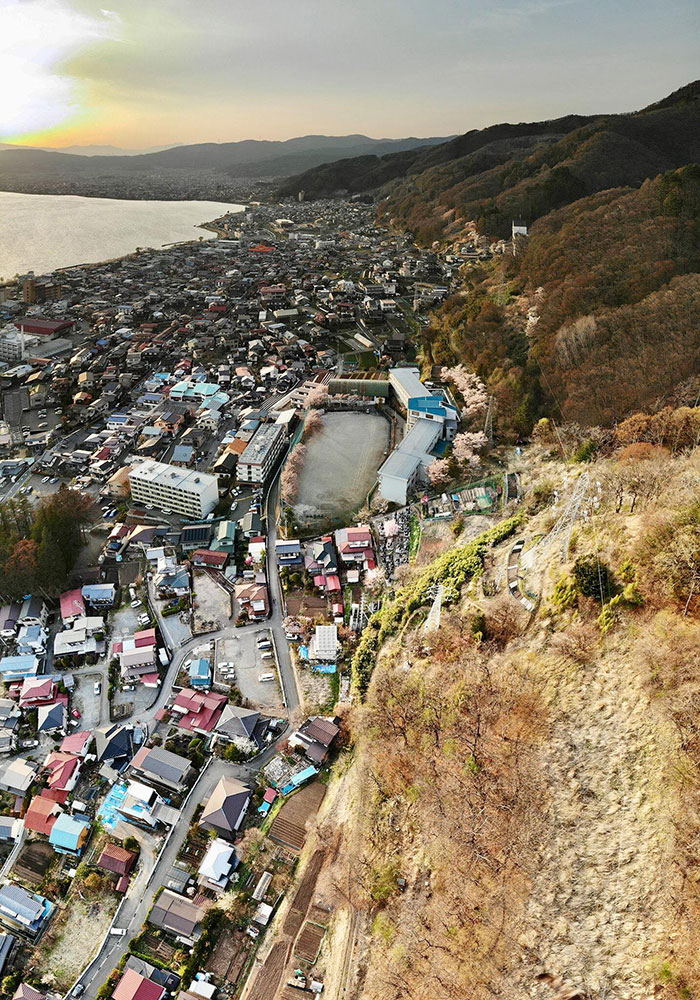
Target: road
x: 140, y: 898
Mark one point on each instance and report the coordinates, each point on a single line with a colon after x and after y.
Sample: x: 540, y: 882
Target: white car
x: 98, y: 687
x: 136, y: 604
x: 46, y: 479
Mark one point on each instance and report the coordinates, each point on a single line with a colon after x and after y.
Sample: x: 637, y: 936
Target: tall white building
x: 183, y: 491
x: 258, y: 460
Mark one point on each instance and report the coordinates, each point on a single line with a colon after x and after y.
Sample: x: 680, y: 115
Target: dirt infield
x: 303, y: 895
x: 270, y: 975
x: 289, y: 825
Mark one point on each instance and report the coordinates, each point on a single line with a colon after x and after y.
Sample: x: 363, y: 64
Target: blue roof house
x: 24, y: 911
x: 200, y: 673
x: 16, y: 668
x: 69, y: 835
x: 99, y: 595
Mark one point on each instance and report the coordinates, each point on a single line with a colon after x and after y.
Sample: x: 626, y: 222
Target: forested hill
x: 494, y: 174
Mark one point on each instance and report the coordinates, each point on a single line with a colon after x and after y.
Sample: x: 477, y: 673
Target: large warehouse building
x: 182, y: 491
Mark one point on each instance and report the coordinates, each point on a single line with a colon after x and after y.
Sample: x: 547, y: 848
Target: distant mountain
x: 248, y: 158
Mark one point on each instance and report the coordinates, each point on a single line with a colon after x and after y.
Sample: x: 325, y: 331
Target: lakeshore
x: 42, y: 233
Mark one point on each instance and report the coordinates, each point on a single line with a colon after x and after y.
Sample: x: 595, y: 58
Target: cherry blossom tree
x: 470, y: 388
x: 465, y: 448
x: 439, y: 471
x: 290, y: 473
x: 317, y: 398
x: 312, y: 424
x: 375, y: 581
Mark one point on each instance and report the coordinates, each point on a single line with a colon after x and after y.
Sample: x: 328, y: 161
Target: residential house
x: 10, y: 716
x: 133, y: 986
x: 253, y: 598
x: 355, y: 546
x: 200, y: 672
x: 24, y: 911
x: 314, y: 738
x: 62, y: 771
x: 115, y: 858
x: 16, y: 668
x: 198, y: 711
x: 52, y: 718
x: 242, y: 726
x: 226, y: 807
x: 17, y: 775
x: 41, y: 815
x: 77, y: 744
x: 195, y: 536
x: 34, y: 611
x: 144, y: 807
x: 288, y: 553
x: 69, y: 835
x: 99, y: 595
x: 224, y: 537
x: 177, y: 915
x: 31, y: 639
x: 114, y: 743
x: 325, y: 645
x: 209, y: 559
x: 161, y: 768
x: 36, y: 691
x: 218, y: 866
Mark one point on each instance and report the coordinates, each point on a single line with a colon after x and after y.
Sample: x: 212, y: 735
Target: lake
x: 40, y: 232
x: 340, y: 467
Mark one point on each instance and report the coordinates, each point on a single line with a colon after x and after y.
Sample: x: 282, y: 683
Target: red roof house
x: 77, y: 743
x: 198, y: 711
x: 133, y: 986
x: 37, y: 691
x: 72, y: 605
x: 41, y: 815
x: 116, y: 859
x: 206, y: 557
x: 62, y: 771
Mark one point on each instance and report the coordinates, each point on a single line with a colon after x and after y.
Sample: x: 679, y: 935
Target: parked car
x: 136, y: 604
x: 76, y: 714
x: 98, y: 687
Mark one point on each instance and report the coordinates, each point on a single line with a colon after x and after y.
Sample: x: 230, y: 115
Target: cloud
x: 35, y: 36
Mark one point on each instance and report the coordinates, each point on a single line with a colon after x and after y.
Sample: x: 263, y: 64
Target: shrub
x: 593, y: 578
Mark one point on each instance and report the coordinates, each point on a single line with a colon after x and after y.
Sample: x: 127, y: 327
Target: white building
x: 182, y: 491
x: 259, y: 458
x: 407, y: 463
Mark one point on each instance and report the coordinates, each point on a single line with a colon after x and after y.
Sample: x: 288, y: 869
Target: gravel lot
x: 242, y: 650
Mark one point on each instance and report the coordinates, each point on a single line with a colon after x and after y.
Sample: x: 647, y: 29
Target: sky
x: 145, y: 73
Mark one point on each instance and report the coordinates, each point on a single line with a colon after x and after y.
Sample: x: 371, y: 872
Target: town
x: 245, y: 428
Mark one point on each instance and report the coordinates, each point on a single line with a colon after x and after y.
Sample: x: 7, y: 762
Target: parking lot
x: 242, y: 651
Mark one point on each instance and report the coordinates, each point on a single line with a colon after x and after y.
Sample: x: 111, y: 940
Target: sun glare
x: 35, y: 35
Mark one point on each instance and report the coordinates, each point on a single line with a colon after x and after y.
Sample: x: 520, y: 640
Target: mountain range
x: 250, y: 158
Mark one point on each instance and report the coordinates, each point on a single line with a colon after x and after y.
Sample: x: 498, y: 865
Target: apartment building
x: 182, y: 491
x: 259, y: 458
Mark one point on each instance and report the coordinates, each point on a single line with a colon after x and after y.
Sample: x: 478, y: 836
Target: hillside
x: 534, y: 782
x: 505, y: 171
x: 597, y: 317
x: 488, y: 147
